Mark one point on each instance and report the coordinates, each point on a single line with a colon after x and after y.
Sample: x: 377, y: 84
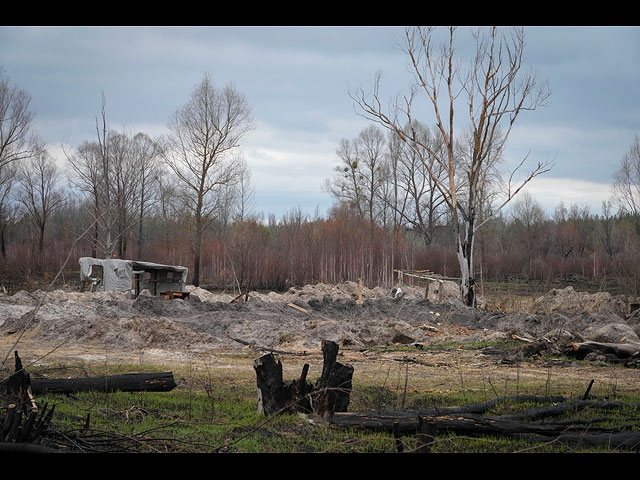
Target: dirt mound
x: 445, y: 291
x: 345, y: 290
x: 209, y: 321
x: 569, y: 301
x: 206, y: 296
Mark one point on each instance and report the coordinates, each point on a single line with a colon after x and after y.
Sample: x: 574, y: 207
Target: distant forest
x: 187, y: 199
x: 275, y: 253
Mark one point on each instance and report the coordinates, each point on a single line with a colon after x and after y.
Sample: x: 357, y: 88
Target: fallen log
x: 620, y: 350
x: 460, y: 424
x: 532, y: 424
x: 129, y: 382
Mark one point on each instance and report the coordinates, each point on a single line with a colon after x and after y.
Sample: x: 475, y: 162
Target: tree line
x: 407, y: 194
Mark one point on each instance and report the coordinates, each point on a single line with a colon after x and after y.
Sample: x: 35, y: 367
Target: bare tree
x: 203, y: 135
x: 244, y: 192
x: 147, y: 154
x: 493, y: 91
x: 85, y: 178
x: 346, y: 185
x: 528, y: 218
x: 626, y: 187
x: 422, y: 204
x: 608, y: 233
x: 122, y: 186
x: 8, y: 176
x: 17, y: 142
x: 360, y: 175
x: 39, y: 192
x: 108, y: 173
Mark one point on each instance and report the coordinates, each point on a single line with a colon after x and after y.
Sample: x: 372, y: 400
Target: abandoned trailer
x: 112, y: 274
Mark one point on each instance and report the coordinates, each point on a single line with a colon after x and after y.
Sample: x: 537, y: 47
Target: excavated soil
x: 68, y: 325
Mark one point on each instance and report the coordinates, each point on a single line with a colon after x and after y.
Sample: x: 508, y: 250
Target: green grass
x: 215, y: 410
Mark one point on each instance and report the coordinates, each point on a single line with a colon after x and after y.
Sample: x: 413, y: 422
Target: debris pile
x: 301, y: 317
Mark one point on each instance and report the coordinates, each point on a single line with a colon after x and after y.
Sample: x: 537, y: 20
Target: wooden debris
x: 23, y: 421
x: 293, y: 305
x: 266, y: 349
x: 239, y: 297
x: 521, y: 338
x: 620, y: 350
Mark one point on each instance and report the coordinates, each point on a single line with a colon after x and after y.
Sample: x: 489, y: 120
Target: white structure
x: 112, y: 274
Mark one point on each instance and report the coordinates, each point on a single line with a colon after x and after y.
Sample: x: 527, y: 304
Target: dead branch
x: 266, y: 349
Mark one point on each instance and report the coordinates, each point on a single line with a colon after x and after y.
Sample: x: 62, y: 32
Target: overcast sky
x: 297, y: 81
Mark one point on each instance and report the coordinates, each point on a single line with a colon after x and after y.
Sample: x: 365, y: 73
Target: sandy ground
x: 68, y: 326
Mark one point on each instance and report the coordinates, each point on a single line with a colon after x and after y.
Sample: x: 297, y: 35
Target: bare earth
x: 209, y: 331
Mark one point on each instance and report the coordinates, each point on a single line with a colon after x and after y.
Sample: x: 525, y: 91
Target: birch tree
x: 489, y: 91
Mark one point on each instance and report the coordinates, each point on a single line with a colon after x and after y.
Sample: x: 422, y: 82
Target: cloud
x: 550, y: 191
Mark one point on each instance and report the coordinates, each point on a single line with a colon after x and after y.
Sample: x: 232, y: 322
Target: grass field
x: 213, y: 409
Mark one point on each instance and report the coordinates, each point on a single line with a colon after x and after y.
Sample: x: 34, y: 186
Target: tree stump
x: 331, y: 393
x: 334, y: 386
x: 23, y: 422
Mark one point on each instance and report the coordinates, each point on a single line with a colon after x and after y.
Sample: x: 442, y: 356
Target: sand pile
x: 569, y: 301
x: 345, y: 290
x: 207, y: 321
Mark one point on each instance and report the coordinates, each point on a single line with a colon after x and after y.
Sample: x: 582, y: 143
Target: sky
x: 297, y: 81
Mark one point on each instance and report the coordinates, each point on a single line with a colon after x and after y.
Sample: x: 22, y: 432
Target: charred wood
x: 620, y: 350
x: 331, y: 393
x: 129, y: 382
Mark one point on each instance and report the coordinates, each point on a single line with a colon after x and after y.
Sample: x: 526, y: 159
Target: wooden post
x: 426, y: 434
x: 360, y: 291
x: 396, y: 435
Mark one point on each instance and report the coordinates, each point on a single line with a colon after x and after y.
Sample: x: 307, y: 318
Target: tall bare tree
x: 85, y: 178
x: 422, y: 204
x: 108, y: 172
x: 529, y: 219
x: 204, y: 133
x: 147, y: 155
x: 244, y: 192
x: 492, y: 91
x: 8, y: 176
x: 17, y: 141
x: 40, y: 193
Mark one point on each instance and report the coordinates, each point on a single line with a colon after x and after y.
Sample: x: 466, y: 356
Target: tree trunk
x: 131, y: 382
x: 334, y: 385
x: 3, y: 247
x: 465, y: 261
x: 140, y: 220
